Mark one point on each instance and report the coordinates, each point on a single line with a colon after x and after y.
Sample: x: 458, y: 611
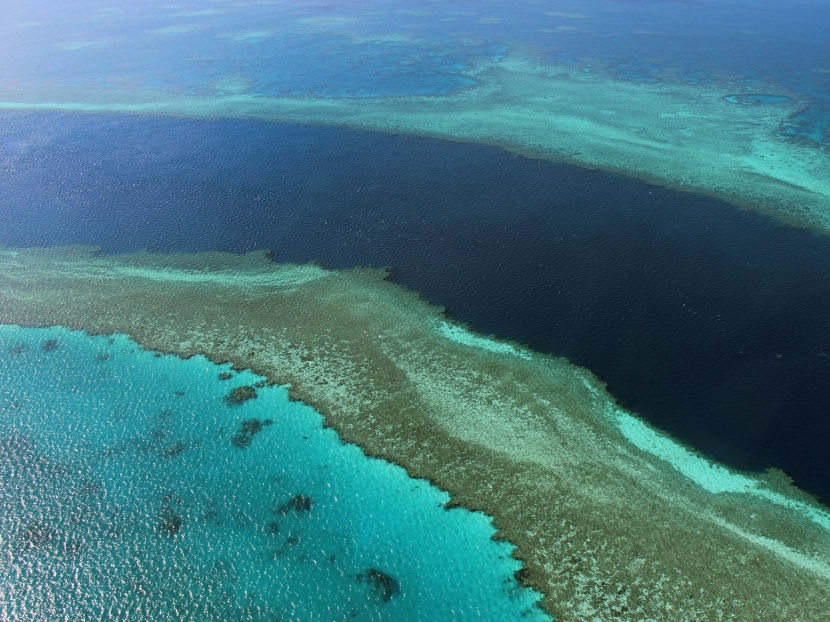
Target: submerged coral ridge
x: 682, y: 136
x: 612, y: 519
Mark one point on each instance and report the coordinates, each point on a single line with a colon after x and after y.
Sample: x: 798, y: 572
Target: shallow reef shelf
x: 688, y: 137
x: 611, y: 518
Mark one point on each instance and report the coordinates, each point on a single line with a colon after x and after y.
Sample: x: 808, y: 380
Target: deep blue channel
x: 710, y: 321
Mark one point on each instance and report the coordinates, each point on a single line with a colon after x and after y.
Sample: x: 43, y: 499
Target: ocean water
x: 709, y: 321
x: 390, y: 47
x: 131, y: 487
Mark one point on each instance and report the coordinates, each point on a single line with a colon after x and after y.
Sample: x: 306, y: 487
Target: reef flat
x: 612, y: 519
x: 681, y: 136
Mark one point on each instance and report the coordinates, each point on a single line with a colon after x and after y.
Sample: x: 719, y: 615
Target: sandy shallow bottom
x: 612, y: 519
x: 137, y: 486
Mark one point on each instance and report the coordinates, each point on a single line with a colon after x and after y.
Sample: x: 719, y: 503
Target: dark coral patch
x: 247, y: 431
x: 272, y: 527
x: 20, y: 348
x: 225, y: 375
x: 37, y: 534
x: 50, y: 345
x: 164, y: 415
x: 158, y: 434
x: 169, y: 521
x: 382, y: 584
x: 240, y: 395
x: 297, y: 503
x: 90, y: 487
x: 173, y: 450
x: 522, y: 576
x: 71, y: 546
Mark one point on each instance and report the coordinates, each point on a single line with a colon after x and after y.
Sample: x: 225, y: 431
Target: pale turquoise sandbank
x: 682, y: 136
x: 611, y: 518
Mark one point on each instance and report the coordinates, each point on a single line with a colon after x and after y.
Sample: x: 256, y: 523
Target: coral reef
x: 383, y: 585
x: 297, y: 503
x: 611, y: 518
x: 248, y: 429
x: 240, y: 395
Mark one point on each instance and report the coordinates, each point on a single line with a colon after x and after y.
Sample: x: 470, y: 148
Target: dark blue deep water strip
x: 712, y: 322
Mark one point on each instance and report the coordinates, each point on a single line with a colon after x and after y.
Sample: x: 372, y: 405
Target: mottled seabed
x: 611, y: 518
x: 135, y: 486
x: 683, y: 136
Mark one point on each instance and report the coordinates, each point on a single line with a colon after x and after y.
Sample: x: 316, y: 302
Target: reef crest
x: 676, y: 135
x: 612, y: 519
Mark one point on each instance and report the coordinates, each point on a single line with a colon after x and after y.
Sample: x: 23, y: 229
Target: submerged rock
x: 158, y: 434
x: 37, y: 534
x: 248, y: 430
x: 169, y: 521
x: 272, y: 527
x: 381, y: 583
x: 240, y: 395
x: 522, y: 576
x: 163, y: 415
x: 90, y: 487
x: 173, y: 450
x: 297, y: 503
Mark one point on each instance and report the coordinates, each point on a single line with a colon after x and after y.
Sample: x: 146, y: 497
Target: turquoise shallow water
x: 131, y: 488
x: 374, y: 48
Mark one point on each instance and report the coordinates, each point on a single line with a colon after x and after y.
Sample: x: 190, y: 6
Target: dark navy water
x: 712, y: 322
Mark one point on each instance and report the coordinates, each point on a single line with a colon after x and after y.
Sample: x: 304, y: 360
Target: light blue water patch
x: 388, y: 47
x: 294, y: 49
x: 754, y: 99
x: 138, y: 486
x: 812, y: 124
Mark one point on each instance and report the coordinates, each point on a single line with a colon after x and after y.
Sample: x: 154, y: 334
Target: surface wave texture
x: 145, y: 487
x: 687, y: 138
x: 694, y: 135
x: 610, y: 517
